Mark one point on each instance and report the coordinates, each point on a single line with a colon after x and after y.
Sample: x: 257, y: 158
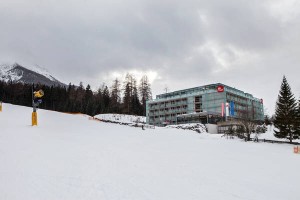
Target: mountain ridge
x: 20, y: 74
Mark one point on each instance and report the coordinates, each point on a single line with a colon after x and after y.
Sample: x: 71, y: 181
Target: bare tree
x: 249, y: 127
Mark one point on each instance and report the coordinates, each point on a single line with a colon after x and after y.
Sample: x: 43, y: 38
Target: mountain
x: 21, y: 74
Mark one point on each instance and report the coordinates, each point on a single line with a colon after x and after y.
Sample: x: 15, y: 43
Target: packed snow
x: 71, y: 157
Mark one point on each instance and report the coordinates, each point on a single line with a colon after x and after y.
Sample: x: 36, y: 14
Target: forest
x: 127, y: 97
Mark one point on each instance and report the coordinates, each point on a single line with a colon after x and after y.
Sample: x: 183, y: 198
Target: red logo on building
x: 220, y: 88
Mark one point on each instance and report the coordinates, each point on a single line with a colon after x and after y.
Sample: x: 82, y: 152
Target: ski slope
x: 70, y: 157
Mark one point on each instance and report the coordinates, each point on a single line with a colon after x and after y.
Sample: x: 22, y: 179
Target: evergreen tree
x: 297, y: 124
x: 145, y: 92
x: 136, y: 107
x: 126, y: 99
x: 267, y: 120
x: 286, y: 113
x: 80, y: 93
x: 99, y: 102
x: 128, y: 92
x: 88, y: 101
x: 115, y: 96
x: 71, y: 91
x: 106, y: 99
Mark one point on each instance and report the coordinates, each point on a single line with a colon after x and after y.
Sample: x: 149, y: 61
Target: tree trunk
x: 248, y: 136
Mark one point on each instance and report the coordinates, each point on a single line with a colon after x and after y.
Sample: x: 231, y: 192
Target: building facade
x: 206, y: 104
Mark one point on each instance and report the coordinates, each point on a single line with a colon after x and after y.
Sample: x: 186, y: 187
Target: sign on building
x: 220, y: 88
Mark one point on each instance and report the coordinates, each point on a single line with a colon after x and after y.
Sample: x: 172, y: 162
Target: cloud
x: 180, y: 44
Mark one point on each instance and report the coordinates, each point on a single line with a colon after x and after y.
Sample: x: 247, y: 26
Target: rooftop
x: 204, y: 88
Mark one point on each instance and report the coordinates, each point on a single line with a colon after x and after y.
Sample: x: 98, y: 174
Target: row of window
x: 167, y: 115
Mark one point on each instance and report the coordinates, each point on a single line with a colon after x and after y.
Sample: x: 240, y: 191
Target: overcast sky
x: 247, y: 44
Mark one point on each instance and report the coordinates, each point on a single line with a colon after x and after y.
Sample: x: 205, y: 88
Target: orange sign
x: 296, y: 149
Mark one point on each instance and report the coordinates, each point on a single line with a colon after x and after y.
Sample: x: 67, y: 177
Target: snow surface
x: 200, y: 128
x: 120, y: 118
x: 7, y: 75
x: 71, y: 157
x: 269, y: 135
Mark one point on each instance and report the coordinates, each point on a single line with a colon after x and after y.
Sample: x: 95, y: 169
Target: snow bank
x: 269, y: 135
x: 122, y: 118
x: 200, y: 128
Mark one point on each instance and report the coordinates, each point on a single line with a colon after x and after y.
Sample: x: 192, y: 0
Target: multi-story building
x: 205, y: 104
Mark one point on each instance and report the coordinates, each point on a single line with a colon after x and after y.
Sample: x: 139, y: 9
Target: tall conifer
x: 285, y: 114
x: 145, y: 92
x: 297, y: 124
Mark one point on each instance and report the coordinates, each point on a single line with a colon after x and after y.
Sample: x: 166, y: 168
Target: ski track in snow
x: 70, y: 157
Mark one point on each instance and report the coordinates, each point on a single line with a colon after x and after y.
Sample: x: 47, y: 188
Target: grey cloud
x: 188, y: 43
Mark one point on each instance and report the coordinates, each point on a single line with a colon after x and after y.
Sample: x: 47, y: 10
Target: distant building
x: 208, y: 104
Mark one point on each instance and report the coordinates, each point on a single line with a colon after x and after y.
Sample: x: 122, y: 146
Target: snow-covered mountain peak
x: 40, y: 70
x: 7, y: 73
x: 33, y: 74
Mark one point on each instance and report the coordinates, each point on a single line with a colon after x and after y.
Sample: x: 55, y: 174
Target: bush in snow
x: 199, y: 128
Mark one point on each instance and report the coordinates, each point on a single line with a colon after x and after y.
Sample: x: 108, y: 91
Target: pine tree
x: 128, y: 91
x: 136, y: 107
x: 126, y: 99
x: 99, y: 101
x: 297, y: 123
x: 145, y: 92
x: 88, y: 101
x: 115, y: 96
x: 267, y: 120
x: 106, y: 99
x: 285, y: 114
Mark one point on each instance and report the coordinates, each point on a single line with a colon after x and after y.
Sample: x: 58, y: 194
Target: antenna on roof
x: 166, y: 89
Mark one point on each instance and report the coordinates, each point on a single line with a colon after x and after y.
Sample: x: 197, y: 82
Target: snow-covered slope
x: 121, y: 118
x: 71, y: 157
x: 269, y: 135
x: 7, y: 75
x: 35, y: 74
x: 200, y: 128
x: 42, y: 71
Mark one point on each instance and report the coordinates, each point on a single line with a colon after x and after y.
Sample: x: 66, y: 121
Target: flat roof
x: 201, y: 88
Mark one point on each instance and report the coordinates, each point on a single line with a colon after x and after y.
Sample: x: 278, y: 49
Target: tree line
x: 127, y: 98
